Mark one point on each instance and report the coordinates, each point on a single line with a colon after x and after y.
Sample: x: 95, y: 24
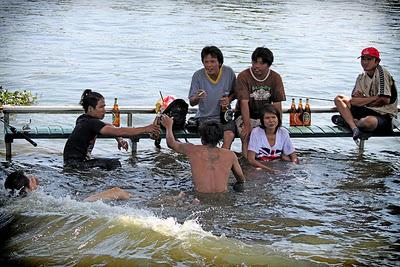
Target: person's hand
x: 122, y: 144
x: 272, y: 171
x: 238, y: 186
x: 156, y: 135
x: 201, y: 94
x: 358, y: 94
x: 376, y: 102
x: 224, y: 101
x: 166, y: 121
x: 152, y: 129
x: 267, y: 169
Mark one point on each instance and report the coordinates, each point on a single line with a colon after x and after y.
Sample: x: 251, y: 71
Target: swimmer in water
x: 20, y: 184
x: 211, y: 166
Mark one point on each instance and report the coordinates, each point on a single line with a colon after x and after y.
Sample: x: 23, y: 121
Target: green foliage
x: 18, y: 98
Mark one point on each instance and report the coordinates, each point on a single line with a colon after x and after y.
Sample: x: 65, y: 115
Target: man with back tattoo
x: 211, y: 166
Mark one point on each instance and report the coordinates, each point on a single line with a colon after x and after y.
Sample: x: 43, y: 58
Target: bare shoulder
x: 188, y: 148
x: 228, y: 153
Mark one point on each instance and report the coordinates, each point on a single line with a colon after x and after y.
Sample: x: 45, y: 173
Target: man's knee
x: 340, y: 100
x: 368, y: 123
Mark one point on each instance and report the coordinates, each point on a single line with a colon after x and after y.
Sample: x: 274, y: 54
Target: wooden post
x: 8, y: 151
x: 134, y: 142
x: 361, y: 146
x: 129, y: 120
x: 6, y: 118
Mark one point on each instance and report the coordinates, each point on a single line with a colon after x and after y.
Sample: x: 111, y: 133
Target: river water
x: 337, y: 208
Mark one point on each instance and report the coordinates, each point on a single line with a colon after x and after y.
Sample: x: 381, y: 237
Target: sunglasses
x: 367, y: 58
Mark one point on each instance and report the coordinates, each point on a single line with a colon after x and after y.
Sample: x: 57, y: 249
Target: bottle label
x: 306, y: 118
x: 291, y: 119
x: 298, y: 119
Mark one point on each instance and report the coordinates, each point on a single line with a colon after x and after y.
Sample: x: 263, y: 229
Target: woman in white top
x: 270, y: 141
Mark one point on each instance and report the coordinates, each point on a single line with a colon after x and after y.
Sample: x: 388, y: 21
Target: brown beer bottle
x: 298, y: 118
x: 307, y: 113
x: 116, y: 115
x: 292, y: 113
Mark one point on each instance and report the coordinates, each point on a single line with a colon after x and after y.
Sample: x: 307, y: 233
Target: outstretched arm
x: 167, y: 122
x: 251, y: 156
x: 127, y: 131
x: 115, y: 193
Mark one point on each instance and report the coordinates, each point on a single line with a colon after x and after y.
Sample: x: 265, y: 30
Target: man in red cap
x: 373, y: 102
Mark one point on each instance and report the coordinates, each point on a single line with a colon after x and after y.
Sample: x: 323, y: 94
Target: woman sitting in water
x: 80, y: 143
x: 19, y: 185
x: 270, y: 141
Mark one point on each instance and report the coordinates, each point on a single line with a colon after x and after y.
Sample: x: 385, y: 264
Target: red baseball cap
x: 370, y: 51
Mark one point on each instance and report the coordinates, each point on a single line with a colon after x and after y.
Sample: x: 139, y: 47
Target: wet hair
x: 268, y: 108
x: 264, y: 53
x: 214, y: 52
x: 90, y: 98
x: 17, y: 182
x: 211, y: 132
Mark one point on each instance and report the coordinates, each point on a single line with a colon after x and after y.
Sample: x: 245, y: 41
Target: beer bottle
x: 307, y: 113
x: 292, y: 112
x: 298, y: 118
x: 116, y: 116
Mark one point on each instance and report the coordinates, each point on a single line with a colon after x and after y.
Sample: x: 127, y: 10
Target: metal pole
x: 129, y: 120
x: 361, y: 146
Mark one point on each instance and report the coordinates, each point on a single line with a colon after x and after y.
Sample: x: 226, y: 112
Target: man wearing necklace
x: 373, y: 102
x: 255, y: 87
x: 212, y: 87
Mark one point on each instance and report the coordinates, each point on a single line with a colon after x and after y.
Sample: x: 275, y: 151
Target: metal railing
x: 7, y: 110
x: 129, y: 110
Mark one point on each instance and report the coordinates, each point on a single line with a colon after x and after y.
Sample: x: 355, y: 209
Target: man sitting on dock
x: 373, y: 102
x: 255, y: 87
x: 211, y: 165
x: 211, y: 89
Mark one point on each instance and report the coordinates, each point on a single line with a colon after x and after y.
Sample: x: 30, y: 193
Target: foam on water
x: 85, y: 227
